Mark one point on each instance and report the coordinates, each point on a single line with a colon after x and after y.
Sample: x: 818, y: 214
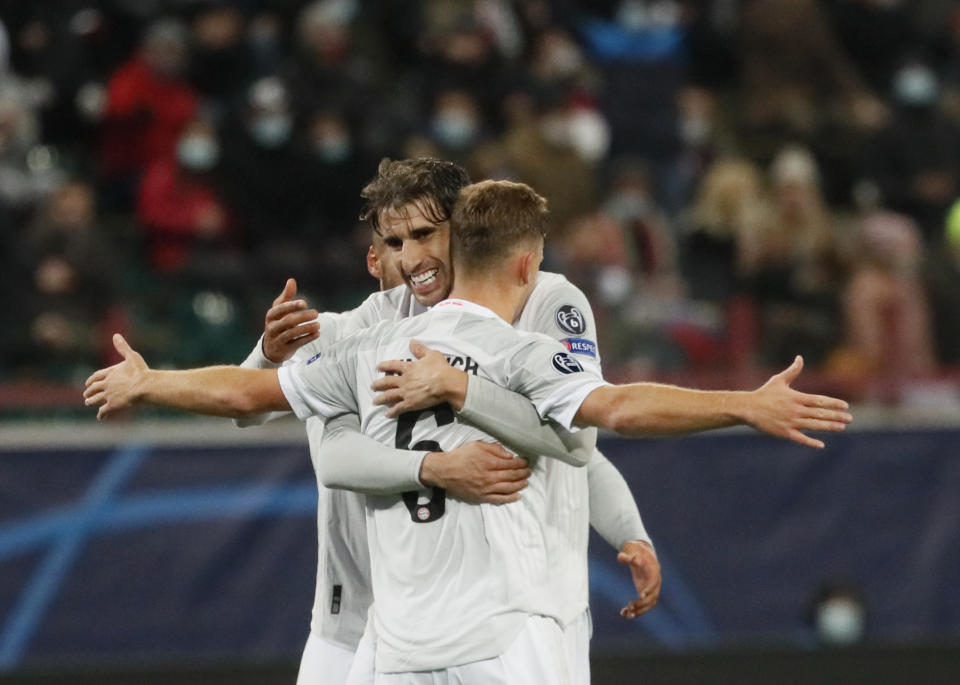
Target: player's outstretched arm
x: 474, y: 472
x: 506, y: 415
x: 640, y: 409
x: 216, y: 390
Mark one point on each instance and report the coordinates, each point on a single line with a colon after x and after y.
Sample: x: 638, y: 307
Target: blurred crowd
x: 731, y: 182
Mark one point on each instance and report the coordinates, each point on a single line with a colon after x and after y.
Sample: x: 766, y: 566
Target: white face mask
x: 916, y: 86
x: 198, y: 152
x: 454, y: 129
x: 840, y: 621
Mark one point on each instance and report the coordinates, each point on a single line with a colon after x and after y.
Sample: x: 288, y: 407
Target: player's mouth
x: 425, y: 280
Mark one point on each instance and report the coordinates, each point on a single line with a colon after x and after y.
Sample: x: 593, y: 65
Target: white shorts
x: 576, y: 639
x: 363, y: 669
x: 535, y: 656
x: 324, y: 662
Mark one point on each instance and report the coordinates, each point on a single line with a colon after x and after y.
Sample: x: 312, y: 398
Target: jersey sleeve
x: 613, y: 511
x: 550, y: 377
x: 353, y: 461
x: 563, y: 313
x: 324, y: 385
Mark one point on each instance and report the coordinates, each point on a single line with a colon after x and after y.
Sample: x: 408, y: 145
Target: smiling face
x: 417, y: 249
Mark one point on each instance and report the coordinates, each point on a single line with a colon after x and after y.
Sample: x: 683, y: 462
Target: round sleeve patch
x: 570, y: 320
x: 565, y: 364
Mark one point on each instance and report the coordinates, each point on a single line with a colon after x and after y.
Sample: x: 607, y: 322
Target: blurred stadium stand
x: 732, y: 182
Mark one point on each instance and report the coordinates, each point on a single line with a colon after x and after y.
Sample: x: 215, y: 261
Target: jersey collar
x: 456, y: 304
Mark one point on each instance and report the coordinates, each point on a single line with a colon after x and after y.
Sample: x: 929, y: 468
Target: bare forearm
x: 216, y: 390
x: 642, y: 409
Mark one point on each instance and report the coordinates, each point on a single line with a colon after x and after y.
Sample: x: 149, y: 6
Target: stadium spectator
x: 63, y: 287
x: 915, y: 159
x: 793, y: 89
x: 189, y: 228
x: 888, y: 336
x: 148, y: 104
x: 794, y: 263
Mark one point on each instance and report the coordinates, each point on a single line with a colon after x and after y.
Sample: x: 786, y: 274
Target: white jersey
x: 453, y: 581
x: 559, y: 309
x: 343, y: 593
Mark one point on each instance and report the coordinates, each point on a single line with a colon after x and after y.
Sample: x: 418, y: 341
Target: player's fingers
x: 122, y: 346
x: 825, y: 402
x: 419, y: 349
x: 395, y: 366
x: 291, y: 321
x: 385, y: 383
x: 818, y: 425
x: 821, y: 414
x: 513, y: 475
x: 497, y: 450
x: 282, y: 309
x: 805, y: 440
x: 94, y: 387
x: 389, y: 397
x: 789, y: 374
x: 507, y: 488
x: 500, y: 499
x: 289, y: 290
x: 98, y: 375
x: 290, y: 334
x: 93, y: 398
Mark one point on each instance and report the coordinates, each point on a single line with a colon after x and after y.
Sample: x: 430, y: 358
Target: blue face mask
x: 271, y: 130
x: 198, y: 152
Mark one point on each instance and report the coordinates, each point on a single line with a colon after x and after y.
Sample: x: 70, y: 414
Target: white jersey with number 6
x: 453, y: 582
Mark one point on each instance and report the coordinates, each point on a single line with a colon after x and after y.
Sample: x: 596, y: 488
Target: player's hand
x: 288, y: 325
x: 119, y: 386
x: 477, y: 472
x: 645, y: 570
x: 779, y: 410
x: 427, y: 382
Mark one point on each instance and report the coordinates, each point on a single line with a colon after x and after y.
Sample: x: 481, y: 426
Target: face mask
x: 840, y: 622
x: 628, y: 205
x: 915, y: 86
x: 198, y: 152
x: 333, y: 150
x: 454, y: 129
x: 272, y: 130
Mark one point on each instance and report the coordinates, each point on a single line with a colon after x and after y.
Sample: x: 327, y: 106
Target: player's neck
x: 504, y: 299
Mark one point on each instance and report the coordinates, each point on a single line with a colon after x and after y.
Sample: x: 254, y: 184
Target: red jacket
x: 145, y: 114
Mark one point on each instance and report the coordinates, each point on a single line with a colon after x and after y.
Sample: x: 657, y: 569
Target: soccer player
x: 496, y: 268
x: 408, y: 205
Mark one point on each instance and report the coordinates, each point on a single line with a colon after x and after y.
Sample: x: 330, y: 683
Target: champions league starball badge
x: 565, y: 364
x: 570, y: 320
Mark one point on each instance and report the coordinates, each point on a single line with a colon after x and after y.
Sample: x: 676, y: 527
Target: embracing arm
x: 640, y: 409
x: 512, y: 418
x: 506, y: 415
x: 473, y: 472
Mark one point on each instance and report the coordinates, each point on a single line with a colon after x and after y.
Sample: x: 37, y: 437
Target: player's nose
x: 411, y: 256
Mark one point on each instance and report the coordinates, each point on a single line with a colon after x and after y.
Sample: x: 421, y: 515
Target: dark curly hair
x: 431, y: 183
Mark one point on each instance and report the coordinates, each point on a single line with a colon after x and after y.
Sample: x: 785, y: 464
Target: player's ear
x: 373, y: 264
x: 528, y: 267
